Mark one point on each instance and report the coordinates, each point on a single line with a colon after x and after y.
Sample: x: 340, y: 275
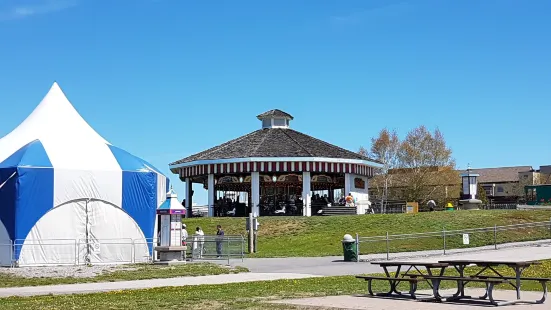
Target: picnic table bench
x: 400, y: 277
x: 518, y: 267
x: 413, y: 275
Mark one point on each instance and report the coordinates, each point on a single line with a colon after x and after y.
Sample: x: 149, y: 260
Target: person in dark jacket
x: 219, y: 240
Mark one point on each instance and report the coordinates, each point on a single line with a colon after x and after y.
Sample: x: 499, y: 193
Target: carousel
x: 276, y: 171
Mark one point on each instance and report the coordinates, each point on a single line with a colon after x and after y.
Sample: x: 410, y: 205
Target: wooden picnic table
x: 517, y: 266
x: 413, y: 266
x: 414, y: 274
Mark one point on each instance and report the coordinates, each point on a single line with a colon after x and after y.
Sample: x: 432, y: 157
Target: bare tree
x: 429, y: 163
x: 384, y: 148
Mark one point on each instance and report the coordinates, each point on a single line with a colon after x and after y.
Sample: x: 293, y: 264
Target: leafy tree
x: 481, y: 195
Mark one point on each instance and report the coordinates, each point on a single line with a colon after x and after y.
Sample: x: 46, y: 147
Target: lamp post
x: 469, y: 182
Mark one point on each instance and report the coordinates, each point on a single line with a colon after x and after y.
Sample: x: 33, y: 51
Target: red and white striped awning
x: 199, y: 169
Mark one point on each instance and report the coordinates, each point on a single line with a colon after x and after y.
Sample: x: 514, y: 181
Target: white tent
x: 67, y: 196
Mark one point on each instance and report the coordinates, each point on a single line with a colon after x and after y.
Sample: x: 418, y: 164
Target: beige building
x: 502, y: 184
x: 506, y: 184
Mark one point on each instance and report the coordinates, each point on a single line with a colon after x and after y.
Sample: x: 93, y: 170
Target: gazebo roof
x: 275, y: 113
x: 274, y: 142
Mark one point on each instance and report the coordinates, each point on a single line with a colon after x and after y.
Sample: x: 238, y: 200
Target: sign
x: 96, y: 247
x: 465, y: 238
x: 412, y: 207
x: 359, y: 183
x: 255, y: 224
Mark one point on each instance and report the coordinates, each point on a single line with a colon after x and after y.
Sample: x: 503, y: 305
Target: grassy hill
x: 321, y: 236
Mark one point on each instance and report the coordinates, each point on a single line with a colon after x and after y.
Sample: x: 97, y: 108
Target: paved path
x: 265, y: 269
x: 334, y: 265
x: 375, y: 303
x: 143, y: 284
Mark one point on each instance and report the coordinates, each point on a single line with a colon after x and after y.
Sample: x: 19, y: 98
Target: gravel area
x: 64, y: 271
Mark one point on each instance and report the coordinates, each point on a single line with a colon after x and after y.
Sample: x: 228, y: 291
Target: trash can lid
x: 348, y: 238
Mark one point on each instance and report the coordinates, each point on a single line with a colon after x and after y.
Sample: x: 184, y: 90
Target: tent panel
x: 54, y: 238
x: 162, y: 185
x: 32, y: 155
x: 139, y: 199
x: 77, y: 153
x: 112, y: 233
x: 5, y: 247
x: 71, y: 185
x: 129, y: 162
x: 34, y: 198
x: 8, y: 198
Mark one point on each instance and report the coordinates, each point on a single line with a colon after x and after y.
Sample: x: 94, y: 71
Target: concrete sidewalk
x: 377, y: 303
x: 335, y: 266
x: 84, y: 288
x: 266, y: 269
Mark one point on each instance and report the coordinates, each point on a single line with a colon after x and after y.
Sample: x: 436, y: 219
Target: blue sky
x: 164, y: 79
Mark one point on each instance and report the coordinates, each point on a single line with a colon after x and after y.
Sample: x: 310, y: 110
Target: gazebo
x: 276, y: 170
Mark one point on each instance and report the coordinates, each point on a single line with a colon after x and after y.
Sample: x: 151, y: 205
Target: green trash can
x: 449, y: 207
x: 349, y: 249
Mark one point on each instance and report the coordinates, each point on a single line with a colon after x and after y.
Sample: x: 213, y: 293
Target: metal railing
x: 500, y: 206
x: 212, y: 247
x: 113, y: 251
x: 450, y: 241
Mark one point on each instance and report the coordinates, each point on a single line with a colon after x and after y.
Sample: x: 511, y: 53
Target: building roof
x: 274, y: 142
x: 499, y: 175
x: 274, y: 113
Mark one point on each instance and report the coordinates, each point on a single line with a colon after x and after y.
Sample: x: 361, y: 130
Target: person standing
x: 198, y: 242
x: 219, y: 240
x: 350, y: 200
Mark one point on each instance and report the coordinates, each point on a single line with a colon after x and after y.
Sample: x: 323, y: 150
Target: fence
x: 216, y: 248
x: 450, y: 241
x: 500, y: 206
x: 111, y: 251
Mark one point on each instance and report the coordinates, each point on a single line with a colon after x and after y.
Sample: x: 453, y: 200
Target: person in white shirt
x: 198, y: 242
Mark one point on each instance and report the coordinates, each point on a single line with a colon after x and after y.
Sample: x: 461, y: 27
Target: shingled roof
x: 501, y: 174
x: 274, y: 142
x: 274, y: 113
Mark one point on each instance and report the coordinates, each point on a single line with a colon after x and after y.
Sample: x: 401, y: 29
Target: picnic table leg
x: 391, y: 281
x: 489, y: 291
x: 544, y: 297
x: 435, y: 288
x: 518, y: 271
x: 460, y: 293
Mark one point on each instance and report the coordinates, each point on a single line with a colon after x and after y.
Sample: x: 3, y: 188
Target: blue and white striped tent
x: 68, y: 196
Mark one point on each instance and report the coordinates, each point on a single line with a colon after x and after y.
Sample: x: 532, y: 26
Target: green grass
x: 130, y: 272
x: 321, y: 236
x: 250, y: 295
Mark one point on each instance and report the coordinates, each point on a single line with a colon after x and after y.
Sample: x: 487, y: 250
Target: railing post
x: 228, y: 250
x: 77, y: 251
x: 495, y: 236
x: 357, y: 248
x: 387, y: 249
x: 444, y: 238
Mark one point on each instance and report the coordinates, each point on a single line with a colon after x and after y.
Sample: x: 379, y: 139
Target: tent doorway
x: 84, y: 231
